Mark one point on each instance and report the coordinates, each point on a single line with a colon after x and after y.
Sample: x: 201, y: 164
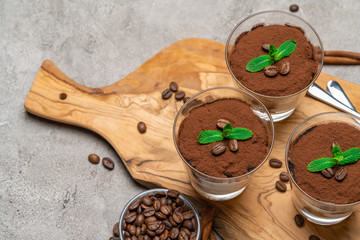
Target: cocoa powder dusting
x: 303, y: 67
x: 316, y: 144
x: 251, y: 152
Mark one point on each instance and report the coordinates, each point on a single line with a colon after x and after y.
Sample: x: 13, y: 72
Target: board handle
x: 55, y: 96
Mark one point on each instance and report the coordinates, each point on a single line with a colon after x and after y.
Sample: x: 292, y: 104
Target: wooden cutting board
x: 114, y: 111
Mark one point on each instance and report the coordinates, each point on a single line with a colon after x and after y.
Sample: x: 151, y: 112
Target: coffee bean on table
x: 313, y: 237
x: 271, y: 71
x: 266, y: 47
x: 174, y: 86
x: 280, y: 186
x: 116, y: 229
x: 141, y: 127
x: 299, y: 220
x: 233, y: 145
x: 186, y: 99
x: 166, y: 94
x: 94, y: 158
x: 284, y: 176
x: 340, y: 174
x: 221, y: 123
x: 275, y: 163
x: 284, y: 68
x: 108, y: 163
x: 218, y: 149
x: 294, y: 8
x: 179, y: 95
x: 328, y: 172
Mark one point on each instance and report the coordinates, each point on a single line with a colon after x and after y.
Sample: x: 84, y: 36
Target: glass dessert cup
x: 280, y: 107
x: 153, y: 191
x: 316, y: 211
x: 217, y: 188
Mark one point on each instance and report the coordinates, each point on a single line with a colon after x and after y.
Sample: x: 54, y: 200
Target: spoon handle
x: 338, y: 93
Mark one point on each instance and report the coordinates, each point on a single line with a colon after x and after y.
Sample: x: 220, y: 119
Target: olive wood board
x: 260, y: 212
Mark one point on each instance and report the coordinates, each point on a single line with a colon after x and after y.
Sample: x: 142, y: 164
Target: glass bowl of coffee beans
x: 159, y: 214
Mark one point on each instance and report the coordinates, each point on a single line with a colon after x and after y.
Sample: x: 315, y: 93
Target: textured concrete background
x: 48, y: 189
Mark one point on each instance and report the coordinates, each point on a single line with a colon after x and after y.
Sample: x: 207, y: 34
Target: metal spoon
x: 337, y: 92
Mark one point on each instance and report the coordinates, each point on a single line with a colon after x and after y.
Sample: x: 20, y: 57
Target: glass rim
x: 287, y: 150
x: 288, y: 14
x: 154, y: 190
x: 228, y: 178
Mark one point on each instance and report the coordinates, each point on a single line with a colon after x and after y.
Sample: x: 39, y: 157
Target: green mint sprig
x: 209, y: 136
x: 259, y: 63
x: 339, y: 158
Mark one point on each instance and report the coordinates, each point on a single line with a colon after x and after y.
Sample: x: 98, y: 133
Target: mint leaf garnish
x: 259, y: 63
x: 227, y: 130
x: 209, y: 136
x: 339, y: 158
x: 350, y: 156
x: 321, y: 164
x: 240, y: 134
x: 285, y: 50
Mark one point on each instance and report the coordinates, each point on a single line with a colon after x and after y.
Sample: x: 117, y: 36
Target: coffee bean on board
x: 141, y: 127
x: 275, y: 163
x: 340, y: 174
x: 328, y: 172
x: 280, y: 186
x: 271, y: 71
x: 94, y: 158
x: 174, y: 86
x: 284, y: 68
x: 166, y: 94
x: 284, y: 176
x: 108, y: 163
x: 218, y: 149
x: 299, y: 220
x: 179, y: 95
x: 221, y: 123
x: 233, y: 145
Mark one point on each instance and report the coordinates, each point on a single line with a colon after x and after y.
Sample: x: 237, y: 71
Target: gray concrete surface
x: 48, y: 189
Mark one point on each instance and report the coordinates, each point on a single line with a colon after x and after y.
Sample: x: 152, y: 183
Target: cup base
x: 281, y: 116
x: 321, y: 220
x: 218, y: 197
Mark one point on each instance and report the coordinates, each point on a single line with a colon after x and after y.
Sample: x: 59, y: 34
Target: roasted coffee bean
x: 138, y: 232
x: 284, y: 176
x: 134, y: 205
x: 108, y: 163
x: 140, y: 219
x: 164, y: 235
x: 275, y: 163
x: 163, y: 201
x: 116, y: 238
x: 150, y: 219
x: 127, y: 234
x: 132, y: 230
x: 186, y: 231
x: 172, y: 193
x: 166, y: 94
x: 183, y: 235
x: 147, y: 200
x: 157, y: 205
x: 294, y: 8
x: 160, y: 229
x: 94, y: 158
x: 160, y: 215
x: 218, y: 149
x: 143, y: 206
x: 169, y: 201
x: 178, y: 217
x: 328, y: 172
x: 284, y: 68
x: 313, y: 237
x: 141, y: 127
x: 334, y: 143
x: 340, y: 174
x: 271, y: 71
x: 150, y: 233
x: 179, y: 95
x: 186, y: 99
x: 172, y: 221
x: 257, y: 26
x: 165, y: 209
x: 146, y: 237
x: 149, y: 212
x: 280, y: 186
x: 233, y: 145
x: 123, y: 226
x: 188, y: 224
x: 221, y: 123
x: 194, y: 223
x: 139, y: 210
x: 299, y: 220
x: 130, y: 217
x: 174, y: 233
x: 179, y: 202
x: 143, y: 229
x: 173, y: 206
x: 116, y: 229
x: 167, y: 224
x: 178, y: 209
x: 134, y: 238
x: 188, y: 215
x: 193, y: 235
x: 266, y: 47
x: 159, y: 194
x: 174, y: 86
x: 153, y: 225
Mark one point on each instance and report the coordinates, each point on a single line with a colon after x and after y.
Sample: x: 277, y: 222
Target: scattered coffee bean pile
x: 159, y: 216
x: 107, y: 162
x: 174, y: 87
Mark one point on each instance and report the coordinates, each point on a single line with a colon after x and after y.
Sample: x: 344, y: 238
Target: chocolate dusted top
x: 251, y: 152
x: 303, y: 67
x: 317, y: 143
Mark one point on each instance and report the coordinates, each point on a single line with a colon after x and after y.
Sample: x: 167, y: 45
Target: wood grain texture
x: 113, y: 112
